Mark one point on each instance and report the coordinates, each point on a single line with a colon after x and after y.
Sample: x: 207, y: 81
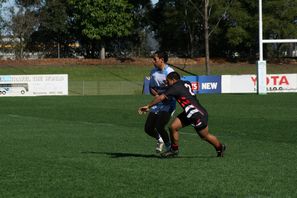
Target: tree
x: 238, y: 31
x: 241, y: 27
x: 178, y: 27
x: 188, y: 23
x: 215, y: 10
x: 206, y: 36
x: 2, y: 22
x: 279, y: 22
x: 23, y: 22
x: 137, y: 43
x: 53, y: 23
x: 100, y: 20
x: 22, y: 26
x: 141, y: 29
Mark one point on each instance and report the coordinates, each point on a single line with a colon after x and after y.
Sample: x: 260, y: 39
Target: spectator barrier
x: 276, y: 83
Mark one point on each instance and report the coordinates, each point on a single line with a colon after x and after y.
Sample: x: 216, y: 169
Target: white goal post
x: 261, y: 64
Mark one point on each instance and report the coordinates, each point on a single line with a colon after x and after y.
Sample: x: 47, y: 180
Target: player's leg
x: 205, y: 135
x: 150, y: 129
x: 150, y: 125
x: 179, y: 122
x: 175, y: 126
x: 174, y: 135
x: 213, y: 140
x: 162, y: 121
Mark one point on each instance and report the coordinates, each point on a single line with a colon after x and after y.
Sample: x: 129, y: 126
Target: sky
x: 4, y: 12
x: 9, y: 3
x: 154, y: 1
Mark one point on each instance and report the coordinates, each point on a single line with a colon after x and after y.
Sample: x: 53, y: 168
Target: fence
x: 105, y: 87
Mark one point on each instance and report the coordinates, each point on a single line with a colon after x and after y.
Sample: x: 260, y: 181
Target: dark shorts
x: 197, y: 120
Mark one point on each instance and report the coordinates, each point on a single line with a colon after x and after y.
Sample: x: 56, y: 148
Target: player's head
x: 160, y: 59
x: 172, y: 77
x: 162, y: 55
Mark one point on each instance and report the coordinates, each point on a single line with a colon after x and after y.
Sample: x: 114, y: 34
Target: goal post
x: 261, y: 64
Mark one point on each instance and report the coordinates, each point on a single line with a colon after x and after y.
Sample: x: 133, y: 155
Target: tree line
x: 123, y: 28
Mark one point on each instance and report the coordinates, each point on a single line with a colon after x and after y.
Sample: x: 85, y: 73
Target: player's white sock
x: 160, y: 138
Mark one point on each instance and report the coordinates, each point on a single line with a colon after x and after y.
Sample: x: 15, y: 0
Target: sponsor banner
x: 34, y: 85
x: 200, y: 84
x: 205, y: 84
x: 237, y: 84
x: 275, y: 83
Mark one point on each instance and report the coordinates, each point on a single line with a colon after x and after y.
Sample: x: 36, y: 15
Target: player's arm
x: 156, y: 100
x: 152, y: 85
x: 153, y: 91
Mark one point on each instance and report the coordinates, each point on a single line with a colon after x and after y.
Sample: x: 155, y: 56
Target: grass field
x: 94, y: 146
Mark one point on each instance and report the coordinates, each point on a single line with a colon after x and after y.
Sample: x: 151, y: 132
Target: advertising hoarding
x: 204, y: 84
x: 275, y: 83
x: 34, y: 85
x: 200, y: 84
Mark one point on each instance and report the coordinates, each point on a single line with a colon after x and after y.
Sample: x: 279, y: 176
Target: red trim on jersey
x: 183, y: 101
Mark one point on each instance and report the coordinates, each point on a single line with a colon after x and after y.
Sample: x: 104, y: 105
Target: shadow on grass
x: 123, y: 155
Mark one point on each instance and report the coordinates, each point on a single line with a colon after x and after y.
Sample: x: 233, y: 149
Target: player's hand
x: 143, y: 109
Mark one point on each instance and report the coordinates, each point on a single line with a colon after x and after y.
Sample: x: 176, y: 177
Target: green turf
x: 94, y: 146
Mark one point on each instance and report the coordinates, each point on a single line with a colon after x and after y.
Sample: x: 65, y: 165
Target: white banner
x: 248, y: 83
x: 34, y: 85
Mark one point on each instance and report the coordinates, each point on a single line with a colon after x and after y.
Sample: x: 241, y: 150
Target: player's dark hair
x: 163, y: 55
x: 173, y: 76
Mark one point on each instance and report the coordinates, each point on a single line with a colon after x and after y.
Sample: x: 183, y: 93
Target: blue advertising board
x: 200, y: 84
x: 205, y: 84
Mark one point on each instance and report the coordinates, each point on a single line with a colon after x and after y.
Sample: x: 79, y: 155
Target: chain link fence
x: 105, y: 87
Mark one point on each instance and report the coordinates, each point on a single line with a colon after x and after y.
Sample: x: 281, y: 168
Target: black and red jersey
x: 184, y: 95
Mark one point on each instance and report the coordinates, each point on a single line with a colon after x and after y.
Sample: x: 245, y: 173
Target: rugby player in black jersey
x: 194, y: 114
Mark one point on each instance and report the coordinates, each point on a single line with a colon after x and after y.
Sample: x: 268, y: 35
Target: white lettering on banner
x: 37, y: 78
x: 209, y: 86
x: 20, y: 79
x: 54, y: 78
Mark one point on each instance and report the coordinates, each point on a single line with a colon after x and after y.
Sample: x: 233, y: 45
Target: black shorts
x: 197, y: 120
